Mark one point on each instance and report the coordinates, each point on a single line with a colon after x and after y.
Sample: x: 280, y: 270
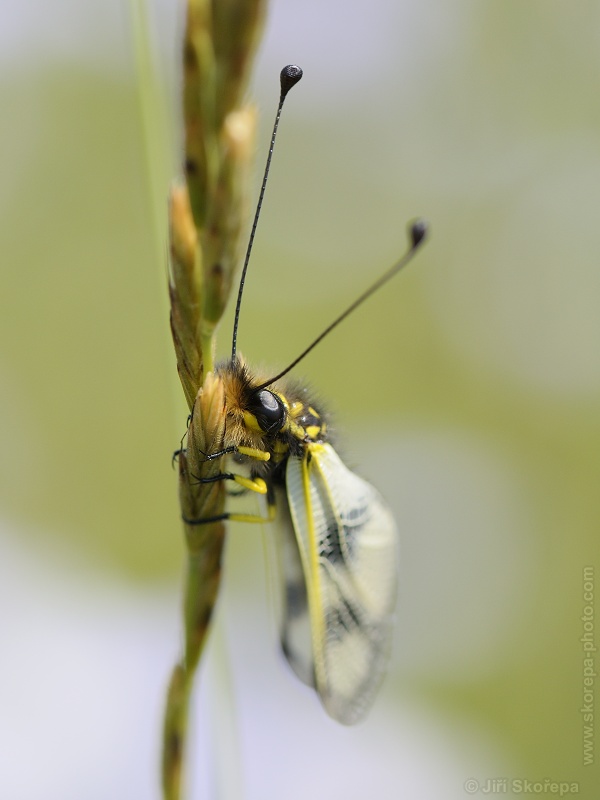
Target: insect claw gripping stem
x: 222, y: 476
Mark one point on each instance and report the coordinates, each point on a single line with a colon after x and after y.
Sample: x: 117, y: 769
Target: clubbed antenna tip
x: 289, y: 77
x: 419, y: 230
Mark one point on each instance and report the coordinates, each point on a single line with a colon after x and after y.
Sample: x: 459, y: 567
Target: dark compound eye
x: 268, y: 410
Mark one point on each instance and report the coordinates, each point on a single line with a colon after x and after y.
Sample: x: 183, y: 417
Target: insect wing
x: 348, y: 548
x: 290, y: 587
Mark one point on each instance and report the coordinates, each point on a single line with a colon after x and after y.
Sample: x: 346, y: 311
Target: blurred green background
x: 467, y: 391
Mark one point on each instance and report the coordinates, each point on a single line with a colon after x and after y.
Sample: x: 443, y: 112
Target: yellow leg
x: 259, y: 455
x: 254, y: 485
x: 234, y: 518
x: 257, y: 485
x: 253, y: 517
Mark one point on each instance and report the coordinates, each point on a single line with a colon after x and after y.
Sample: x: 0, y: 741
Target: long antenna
x: 418, y: 231
x: 288, y: 77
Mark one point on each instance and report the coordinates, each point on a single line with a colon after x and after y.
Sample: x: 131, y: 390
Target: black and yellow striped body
x: 280, y: 421
x: 263, y: 429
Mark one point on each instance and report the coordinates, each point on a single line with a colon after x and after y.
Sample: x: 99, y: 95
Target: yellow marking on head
x: 296, y: 408
x: 313, y: 431
x: 283, y: 400
x: 251, y: 422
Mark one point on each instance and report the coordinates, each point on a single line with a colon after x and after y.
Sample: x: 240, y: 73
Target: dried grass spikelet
x: 203, y: 262
x: 185, y: 291
x: 221, y: 239
x: 207, y: 217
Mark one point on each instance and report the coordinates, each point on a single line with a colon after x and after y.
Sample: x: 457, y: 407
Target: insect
x: 336, y: 538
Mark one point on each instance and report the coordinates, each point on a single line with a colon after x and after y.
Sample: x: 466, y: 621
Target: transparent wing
x: 290, y: 587
x: 347, y: 543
